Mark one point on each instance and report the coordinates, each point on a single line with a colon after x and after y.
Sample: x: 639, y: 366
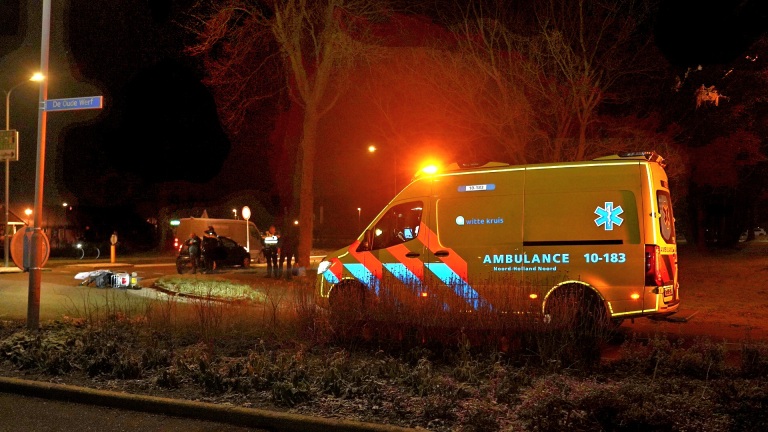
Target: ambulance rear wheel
x: 577, y: 308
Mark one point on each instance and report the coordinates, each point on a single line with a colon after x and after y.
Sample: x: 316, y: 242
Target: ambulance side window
x: 398, y: 225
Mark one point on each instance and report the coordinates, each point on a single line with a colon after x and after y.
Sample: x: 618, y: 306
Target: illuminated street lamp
x: 234, y: 213
x: 28, y: 212
x: 37, y: 77
x: 66, y: 219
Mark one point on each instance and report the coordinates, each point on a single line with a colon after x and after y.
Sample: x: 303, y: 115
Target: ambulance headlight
x: 323, y: 266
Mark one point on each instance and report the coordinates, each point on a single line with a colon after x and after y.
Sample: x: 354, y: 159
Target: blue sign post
x: 78, y: 103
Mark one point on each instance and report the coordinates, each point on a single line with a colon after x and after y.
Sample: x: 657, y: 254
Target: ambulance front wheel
x: 348, y: 300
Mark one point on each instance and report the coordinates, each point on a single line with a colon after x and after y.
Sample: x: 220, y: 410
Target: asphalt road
x: 25, y: 414
x: 62, y: 294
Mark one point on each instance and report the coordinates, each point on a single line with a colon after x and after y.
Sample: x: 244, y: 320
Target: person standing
x: 289, y: 243
x: 269, y: 242
x: 210, y: 245
x: 193, y: 245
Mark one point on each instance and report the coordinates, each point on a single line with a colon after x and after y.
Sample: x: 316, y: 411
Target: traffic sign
x: 9, y: 145
x: 78, y: 103
x: 21, y: 248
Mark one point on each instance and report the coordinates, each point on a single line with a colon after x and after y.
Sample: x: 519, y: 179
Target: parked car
x: 759, y: 232
x: 227, y: 253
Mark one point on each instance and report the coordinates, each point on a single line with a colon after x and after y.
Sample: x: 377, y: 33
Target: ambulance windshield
x: 398, y: 225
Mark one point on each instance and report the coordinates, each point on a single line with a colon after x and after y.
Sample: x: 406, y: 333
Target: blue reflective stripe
x: 402, y: 273
x: 406, y: 276
x: 361, y: 273
x: 450, y: 278
x: 330, y: 277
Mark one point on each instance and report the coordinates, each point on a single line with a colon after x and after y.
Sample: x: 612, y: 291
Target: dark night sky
x: 692, y: 32
x: 159, y: 123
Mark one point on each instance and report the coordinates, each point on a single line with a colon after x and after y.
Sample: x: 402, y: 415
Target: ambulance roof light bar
x: 471, y: 165
x: 650, y: 156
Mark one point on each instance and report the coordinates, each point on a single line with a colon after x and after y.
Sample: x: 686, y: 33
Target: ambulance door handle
x: 412, y: 255
x: 441, y: 253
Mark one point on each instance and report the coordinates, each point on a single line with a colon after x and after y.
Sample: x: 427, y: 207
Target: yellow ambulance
x: 499, y: 237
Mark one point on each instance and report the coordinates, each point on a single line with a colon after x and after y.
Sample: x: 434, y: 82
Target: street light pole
x: 247, y: 215
x: 36, y: 249
x: 373, y: 149
x: 36, y: 77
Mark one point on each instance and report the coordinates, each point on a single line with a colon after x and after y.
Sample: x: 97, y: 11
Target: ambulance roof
x: 649, y: 156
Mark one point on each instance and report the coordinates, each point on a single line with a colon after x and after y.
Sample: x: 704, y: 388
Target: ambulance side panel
x: 480, y: 218
x: 593, y: 215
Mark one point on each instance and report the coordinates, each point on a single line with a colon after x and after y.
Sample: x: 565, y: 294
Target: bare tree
x: 318, y: 41
x: 581, y: 50
x: 548, y: 70
x: 526, y: 84
x: 462, y: 90
x: 482, y: 75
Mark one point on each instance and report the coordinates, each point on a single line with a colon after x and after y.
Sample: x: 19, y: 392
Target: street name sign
x: 78, y: 103
x: 9, y: 145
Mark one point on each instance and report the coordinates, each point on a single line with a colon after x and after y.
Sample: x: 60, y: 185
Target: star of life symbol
x: 608, y: 216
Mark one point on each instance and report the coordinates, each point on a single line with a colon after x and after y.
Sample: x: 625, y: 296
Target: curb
x: 99, y: 264
x: 238, y: 416
x: 10, y: 270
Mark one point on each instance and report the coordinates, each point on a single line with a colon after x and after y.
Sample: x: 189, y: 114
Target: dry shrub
x: 512, y: 322
x: 754, y: 359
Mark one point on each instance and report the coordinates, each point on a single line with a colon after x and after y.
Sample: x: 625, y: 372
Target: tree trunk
x: 305, y: 170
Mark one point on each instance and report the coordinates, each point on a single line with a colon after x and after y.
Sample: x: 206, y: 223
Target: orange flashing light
x: 430, y: 169
x: 533, y: 296
x: 635, y: 296
x: 425, y: 294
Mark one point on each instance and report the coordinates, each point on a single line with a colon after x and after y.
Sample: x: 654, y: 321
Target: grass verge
x: 443, y: 372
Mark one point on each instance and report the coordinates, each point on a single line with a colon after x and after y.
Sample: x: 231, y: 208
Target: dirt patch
x: 724, y: 295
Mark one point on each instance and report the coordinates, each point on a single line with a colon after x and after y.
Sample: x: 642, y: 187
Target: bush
x: 448, y: 375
